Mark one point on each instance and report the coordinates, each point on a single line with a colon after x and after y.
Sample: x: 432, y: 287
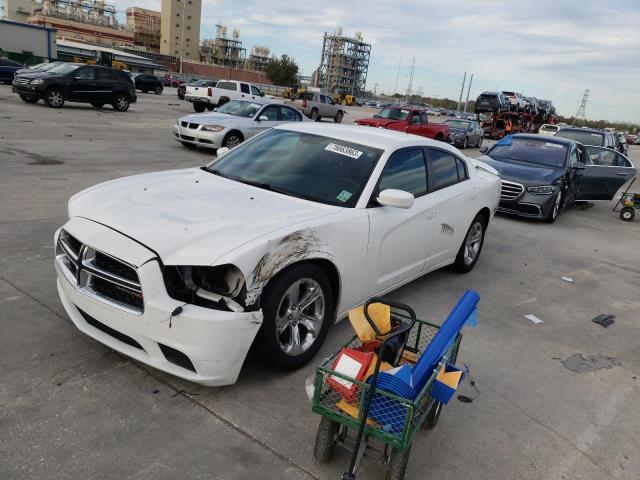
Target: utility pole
x: 410, y: 86
x: 464, y: 79
x: 375, y: 89
x: 395, y: 89
x: 582, y: 115
x: 182, y: 33
x: 468, y: 92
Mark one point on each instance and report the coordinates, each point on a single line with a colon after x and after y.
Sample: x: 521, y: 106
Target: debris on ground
x: 568, y: 279
x: 533, y: 318
x: 604, y: 319
x: 580, y: 364
x: 465, y: 399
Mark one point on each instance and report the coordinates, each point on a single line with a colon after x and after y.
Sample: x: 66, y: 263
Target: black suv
x: 148, y: 83
x: 492, y: 102
x: 77, y: 82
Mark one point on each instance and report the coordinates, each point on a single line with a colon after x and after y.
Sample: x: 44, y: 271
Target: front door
x: 416, y: 125
x: 606, y: 171
x: 83, y: 84
x: 398, y: 237
x: 268, y: 117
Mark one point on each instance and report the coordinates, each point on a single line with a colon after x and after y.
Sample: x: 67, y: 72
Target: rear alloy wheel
x: 158, y: 90
x: 471, y: 246
x: 198, y: 107
x: 231, y: 140
x: 627, y: 214
x: 553, y: 213
x: 338, y: 117
x: 121, y: 103
x: 298, y: 309
x: 24, y: 98
x: 54, y: 98
x: 314, y: 115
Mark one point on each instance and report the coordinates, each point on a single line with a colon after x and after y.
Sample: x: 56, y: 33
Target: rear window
x: 584, y: 137
x: 304, y: 96
x: 226, y: 86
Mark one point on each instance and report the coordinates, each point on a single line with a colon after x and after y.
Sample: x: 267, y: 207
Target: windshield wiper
x: 263, y: 185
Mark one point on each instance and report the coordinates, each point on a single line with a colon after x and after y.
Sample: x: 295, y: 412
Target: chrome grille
x: 510, y: 190
x: 99, y: 275
x: 20, y: 81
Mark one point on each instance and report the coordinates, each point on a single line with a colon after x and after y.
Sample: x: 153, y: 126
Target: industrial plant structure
x: 344, y: 64
x: 258, y: 58
x: 145, y: 25
x: 180, y: 29
x: 222, y: 50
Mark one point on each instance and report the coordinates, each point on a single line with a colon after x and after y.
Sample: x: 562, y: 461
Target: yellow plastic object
x: 372, y: 366
x: 450, y: 379
x: 354, y: 411
x: 379, y: 313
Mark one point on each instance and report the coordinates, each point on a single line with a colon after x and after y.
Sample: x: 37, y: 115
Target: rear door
x: 606, y: 172
x: 105, y: 83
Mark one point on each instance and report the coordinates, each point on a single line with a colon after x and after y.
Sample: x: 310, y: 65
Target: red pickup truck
x: 410, y: 120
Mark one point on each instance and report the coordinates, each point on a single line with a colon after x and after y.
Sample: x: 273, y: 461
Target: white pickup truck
x: 224, y: 91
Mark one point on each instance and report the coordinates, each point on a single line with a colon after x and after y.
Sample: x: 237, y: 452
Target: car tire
x: 198, y: 107
x: 314, y: 115
x: 222, y: 101
x: 279, y: 339
x: 471, y: 247
x: 97, y: 105
x: 121, y: 103
x: 27, y: 99
x: 465, y: 143
x: 210, y: 108
x: 555, y: 210
x: 338, y: 117
x: 54, y: 97
x: 480, y: 139
x: 158, y: 90
x: 190, y: 146
x: 232, y: 139
x: 326, y: 440
x: 627, y: 214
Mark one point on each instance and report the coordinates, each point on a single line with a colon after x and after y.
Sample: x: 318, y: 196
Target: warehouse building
x: 23, y: 42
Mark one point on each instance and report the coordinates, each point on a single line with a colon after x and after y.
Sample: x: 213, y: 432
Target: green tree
x: 282, y: 71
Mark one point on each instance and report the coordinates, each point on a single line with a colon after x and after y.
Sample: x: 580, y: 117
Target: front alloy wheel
x: 553, y: 213
x: 298, y: 309
x: 471, y: 246
x: 54, y: 98
x: 232, y: 140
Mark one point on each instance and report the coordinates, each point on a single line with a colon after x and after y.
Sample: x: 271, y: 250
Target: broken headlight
x: 219, y: 287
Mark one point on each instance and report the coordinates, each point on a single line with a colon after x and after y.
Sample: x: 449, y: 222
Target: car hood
x: 192, y: 217
x: 214, y: 118
x: 33, y: 74
x: 526, y: 174
x: 376, y: 122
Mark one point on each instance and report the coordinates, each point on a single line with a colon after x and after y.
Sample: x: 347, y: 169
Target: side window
x: 87, y: 73
x: 289, y: 115
x: 423, y: 118
x: 244, y: 88
x: 255, y: 91
x: 406, y: 171
x: 106, y: 75
x: 574, y: 158
x: 323, y: 99
x: 226, y: 86
x: 415, y: 118
x: 271, y: 112
x: 443, y: 169
x: 462, y: 170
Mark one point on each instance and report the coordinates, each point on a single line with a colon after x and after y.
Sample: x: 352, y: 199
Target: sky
x: 552, y: 49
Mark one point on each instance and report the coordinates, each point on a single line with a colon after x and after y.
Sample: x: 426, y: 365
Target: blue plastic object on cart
x: 444, y: 338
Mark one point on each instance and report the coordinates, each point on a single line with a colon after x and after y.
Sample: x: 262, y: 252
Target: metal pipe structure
x: 464, y: 79
x: 466, y: 102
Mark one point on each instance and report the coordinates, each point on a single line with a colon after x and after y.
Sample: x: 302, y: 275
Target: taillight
x: 209, y: 92
x: 304, y: 103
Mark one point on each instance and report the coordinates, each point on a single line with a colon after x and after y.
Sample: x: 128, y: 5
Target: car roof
x: 262, y: 101
x: 374, y: 137
x: 580, y: 129
x: 562, y: 141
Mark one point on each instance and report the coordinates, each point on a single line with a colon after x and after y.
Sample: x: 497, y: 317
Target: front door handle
x: 622, y: 174
x: 431, y: 214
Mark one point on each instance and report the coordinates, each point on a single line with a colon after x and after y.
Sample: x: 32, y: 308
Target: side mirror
x: 484, y: 149
x: 580, y: 166
x: 215, y: 109
x: 263, y: 118
x: 222, y: 151
x: 395, y: 198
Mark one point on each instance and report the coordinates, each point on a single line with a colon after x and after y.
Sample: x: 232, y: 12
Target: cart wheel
x: 432, y: 415
x: 398, y: 464
x: 326, y: 440
x: 627, y: 214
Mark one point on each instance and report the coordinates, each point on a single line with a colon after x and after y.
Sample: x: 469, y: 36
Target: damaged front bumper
x: 203, y: 345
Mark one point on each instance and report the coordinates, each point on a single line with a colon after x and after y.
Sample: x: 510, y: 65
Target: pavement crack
x: 228, y: 423
x: 28, y: 295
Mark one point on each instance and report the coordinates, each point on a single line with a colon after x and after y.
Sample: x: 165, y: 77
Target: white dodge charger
x: 270, y: 243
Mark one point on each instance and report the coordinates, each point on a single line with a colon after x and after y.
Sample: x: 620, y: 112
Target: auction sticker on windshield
x: 343, y: 196
x: 342, y: 150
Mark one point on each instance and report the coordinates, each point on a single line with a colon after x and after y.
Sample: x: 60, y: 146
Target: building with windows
x: 18, y: 10
x: 180, y: 29
x: 145, y: 25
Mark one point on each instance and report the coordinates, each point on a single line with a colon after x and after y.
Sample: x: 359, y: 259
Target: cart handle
x: 397, y: 305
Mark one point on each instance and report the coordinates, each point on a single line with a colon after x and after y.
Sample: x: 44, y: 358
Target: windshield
x: 321, y: 169
x: 240, y: 108
x: 549, y: 128
x: 392, y: 114
x: 584, y: 137
x: 539, y: 152
x: 63, y: 68
x: 457, y: 124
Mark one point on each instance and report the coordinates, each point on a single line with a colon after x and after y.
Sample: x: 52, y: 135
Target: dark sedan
x: 148, y: 83
x: 465, y: 133
x: 8, y: 69
x: 542, y: 175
